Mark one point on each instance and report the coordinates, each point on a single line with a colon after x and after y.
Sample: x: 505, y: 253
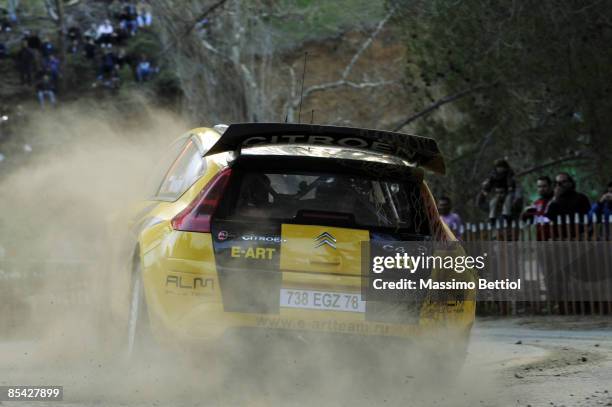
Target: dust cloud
x: 61, y: 211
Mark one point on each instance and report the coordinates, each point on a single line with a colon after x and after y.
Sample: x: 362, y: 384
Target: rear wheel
x: 138, y: 327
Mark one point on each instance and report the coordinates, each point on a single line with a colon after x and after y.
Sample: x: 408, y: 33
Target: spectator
x: 128, y: 19
x: 25, y: 63
x: 47, y: 47
x: 566, y: 202
x: 132, y: 18
x: 74, y: 48
x: 123, y: 17
x: 602, y: 209
x: 104, y: 34
x: 144, y: 69
x: 52, y: 68
x: 74, y: 34
x: 45, y: 89
x: 121, y: 35
x: 452, y: 219
x: 107, y: 64
x: 536, y: 212
x: 145, y: 14
x: 34, y: 41
x: 500, y: 193
x: 90, y: 49
x: 108, y: 75
x: 5, y: 21
x: 109, y: 80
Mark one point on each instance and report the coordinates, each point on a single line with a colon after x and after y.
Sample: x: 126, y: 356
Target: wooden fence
x: 581, y: 233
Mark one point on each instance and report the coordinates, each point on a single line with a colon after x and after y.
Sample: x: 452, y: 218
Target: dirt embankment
x: 362, y: 103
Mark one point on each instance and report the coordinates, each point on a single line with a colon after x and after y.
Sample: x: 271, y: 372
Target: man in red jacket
x: 536, y: 213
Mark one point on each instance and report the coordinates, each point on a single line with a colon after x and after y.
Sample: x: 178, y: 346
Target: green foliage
x: 27, y: 6
x: 167, y: 85
x: 79, y: 72
x: 546, y: 76
x: 146, y: 42
x: 298, y: 21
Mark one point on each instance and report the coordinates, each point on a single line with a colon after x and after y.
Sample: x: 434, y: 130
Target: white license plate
x: 321, y: 300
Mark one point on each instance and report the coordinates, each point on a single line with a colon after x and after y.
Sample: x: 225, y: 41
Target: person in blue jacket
x: 602, y: 209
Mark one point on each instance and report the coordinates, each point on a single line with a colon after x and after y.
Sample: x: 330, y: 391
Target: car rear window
x: 360, y: 201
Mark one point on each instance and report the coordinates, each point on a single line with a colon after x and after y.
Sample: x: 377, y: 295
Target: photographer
x: 500, y: 193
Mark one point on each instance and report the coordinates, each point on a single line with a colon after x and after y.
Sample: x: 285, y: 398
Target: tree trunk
x: 59, y: 6
x: 12, y: 7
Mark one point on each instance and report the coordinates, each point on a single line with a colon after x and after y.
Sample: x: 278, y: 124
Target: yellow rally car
x: 259, y: 225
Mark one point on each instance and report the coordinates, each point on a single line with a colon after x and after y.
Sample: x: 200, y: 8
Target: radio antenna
x: 302, y: 91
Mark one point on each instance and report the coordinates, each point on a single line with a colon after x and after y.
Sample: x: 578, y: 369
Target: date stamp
x: 31, y: 393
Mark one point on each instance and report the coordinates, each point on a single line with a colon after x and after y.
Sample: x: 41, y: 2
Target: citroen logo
x: 325, y: 239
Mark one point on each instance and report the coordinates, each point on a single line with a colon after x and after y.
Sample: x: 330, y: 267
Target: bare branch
x: 50, y: 7
x: 202, y: 16
x: 343, y: 81
x: 483, y: 145
x: 439, y: 103
x: 363, y: 85
x: 192, y: 25
x: 248, y: 76
x: 338, y: 84
x: 366, y: 44
x: 214, y: 50
x: 287, y: 107
x: 577, y: 155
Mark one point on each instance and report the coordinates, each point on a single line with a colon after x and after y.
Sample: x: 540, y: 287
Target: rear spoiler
x: 417, y: 150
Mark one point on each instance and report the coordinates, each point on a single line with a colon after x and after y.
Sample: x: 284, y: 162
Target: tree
x: 533, y: 81
x: 12, y: 7
x: 230, y: 55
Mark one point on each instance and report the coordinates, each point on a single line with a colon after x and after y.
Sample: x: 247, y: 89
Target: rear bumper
x: 187, y: 302
x: 210, y: 324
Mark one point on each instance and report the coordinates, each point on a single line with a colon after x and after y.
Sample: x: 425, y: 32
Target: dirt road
x: 542, y: 362
x: 512, y: 362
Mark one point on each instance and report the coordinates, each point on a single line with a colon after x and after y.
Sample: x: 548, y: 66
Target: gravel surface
x: 510, y: 362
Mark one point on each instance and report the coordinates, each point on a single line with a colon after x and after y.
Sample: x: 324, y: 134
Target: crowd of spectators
x: 558, y: 201
x: 102, y: 44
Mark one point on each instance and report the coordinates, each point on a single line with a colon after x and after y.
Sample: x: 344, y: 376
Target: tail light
x: 197, y: 215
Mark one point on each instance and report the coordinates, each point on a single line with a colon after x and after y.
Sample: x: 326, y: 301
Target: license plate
x: 321, y: 300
